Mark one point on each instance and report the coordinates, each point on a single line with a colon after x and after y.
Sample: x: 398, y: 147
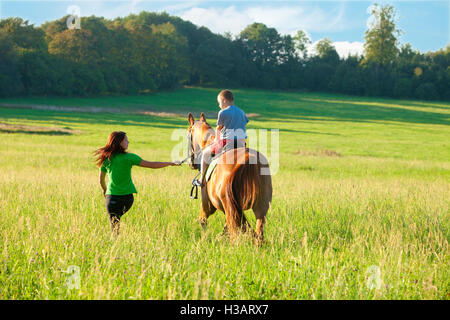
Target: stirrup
x: 195, y: 185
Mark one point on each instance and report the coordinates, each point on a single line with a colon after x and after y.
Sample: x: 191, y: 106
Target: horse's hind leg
x: 262, y: 205
x: 260, y: 229
x: 245, y: 225
x: 260, y: 211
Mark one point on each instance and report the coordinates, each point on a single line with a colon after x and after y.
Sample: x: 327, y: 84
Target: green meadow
x: 360, y: 204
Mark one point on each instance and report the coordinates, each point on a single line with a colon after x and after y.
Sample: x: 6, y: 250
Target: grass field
x: 360, y: 202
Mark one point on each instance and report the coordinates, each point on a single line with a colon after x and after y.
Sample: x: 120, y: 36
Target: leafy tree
x: 426, y: 91
x: 301, y: 42
x: 262, y: 43
x: 25, y: 37
x: 326, y: 52
x: 348, y: 78
x: 10, y: 80
x: 381, y: 44
x: 215, y: 61
x: 403, y: 88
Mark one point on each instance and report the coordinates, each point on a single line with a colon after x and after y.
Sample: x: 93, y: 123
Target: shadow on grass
x: 289, y: 107
x: 340, y: 112
x: 51, y: 133
x: 72, y: 118
x: 18, y: 128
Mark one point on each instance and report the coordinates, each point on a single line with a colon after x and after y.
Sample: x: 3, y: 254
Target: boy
x: 230, y: 131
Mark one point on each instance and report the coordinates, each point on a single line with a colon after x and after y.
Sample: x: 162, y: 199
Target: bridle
x: 191, y: 153
x: 194, y: 164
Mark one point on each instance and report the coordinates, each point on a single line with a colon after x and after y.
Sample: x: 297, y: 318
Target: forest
x: 150, y: 52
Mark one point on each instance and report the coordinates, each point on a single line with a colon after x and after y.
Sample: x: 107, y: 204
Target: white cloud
x: 287, y: 19
x: 217, y: 20
x: 182, y: 5
x: 343, y: 48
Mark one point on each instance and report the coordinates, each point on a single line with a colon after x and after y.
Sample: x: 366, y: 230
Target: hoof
x: 203, y: 223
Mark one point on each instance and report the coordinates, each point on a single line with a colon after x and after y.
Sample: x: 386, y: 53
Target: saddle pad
x: 213, y: 164
x: 211, y: 168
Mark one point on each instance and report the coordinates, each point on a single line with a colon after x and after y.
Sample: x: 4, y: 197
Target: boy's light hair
x: 227, y: 94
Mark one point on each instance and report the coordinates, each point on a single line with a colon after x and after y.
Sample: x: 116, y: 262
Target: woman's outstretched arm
x: 157, y: 165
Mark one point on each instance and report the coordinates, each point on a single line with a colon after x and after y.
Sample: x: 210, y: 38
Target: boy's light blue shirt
x: 234, y: 121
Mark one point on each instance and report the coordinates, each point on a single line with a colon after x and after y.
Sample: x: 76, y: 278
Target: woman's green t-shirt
x: 119, y: 173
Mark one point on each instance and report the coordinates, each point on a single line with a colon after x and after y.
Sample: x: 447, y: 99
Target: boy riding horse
x: 230, y: 131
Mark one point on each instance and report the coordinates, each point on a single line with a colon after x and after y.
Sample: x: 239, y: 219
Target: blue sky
x: 425, y: 24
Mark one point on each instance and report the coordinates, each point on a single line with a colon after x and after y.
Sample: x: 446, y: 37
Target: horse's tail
x: 242, y: 189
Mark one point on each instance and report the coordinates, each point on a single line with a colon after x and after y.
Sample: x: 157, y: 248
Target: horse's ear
x: 190, y: 119
x: 202, y: 117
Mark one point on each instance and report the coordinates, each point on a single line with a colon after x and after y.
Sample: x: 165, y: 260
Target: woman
x: 113, y: 160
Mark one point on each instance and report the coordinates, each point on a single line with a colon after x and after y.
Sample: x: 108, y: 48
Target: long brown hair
x: 112, y: 148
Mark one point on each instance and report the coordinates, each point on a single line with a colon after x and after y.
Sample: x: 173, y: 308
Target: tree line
x: 155, y: 51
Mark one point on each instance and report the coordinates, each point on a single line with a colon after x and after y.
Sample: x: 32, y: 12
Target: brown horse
x: 235, y: 185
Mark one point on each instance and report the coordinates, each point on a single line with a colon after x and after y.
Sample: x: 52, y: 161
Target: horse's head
x: 200, y: 134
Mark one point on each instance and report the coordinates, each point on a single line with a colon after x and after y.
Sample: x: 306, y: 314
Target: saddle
x: 212, y: 165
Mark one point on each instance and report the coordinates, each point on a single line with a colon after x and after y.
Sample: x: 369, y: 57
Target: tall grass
x: 380, y: 198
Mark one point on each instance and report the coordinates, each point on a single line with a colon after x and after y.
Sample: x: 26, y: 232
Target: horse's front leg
x: 206, y: 210
x: 203, y: 219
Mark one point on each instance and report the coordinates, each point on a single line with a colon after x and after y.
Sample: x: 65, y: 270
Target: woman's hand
x: 176, y: 163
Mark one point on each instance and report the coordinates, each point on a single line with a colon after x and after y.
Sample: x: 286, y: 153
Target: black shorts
x: 118, y: 205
